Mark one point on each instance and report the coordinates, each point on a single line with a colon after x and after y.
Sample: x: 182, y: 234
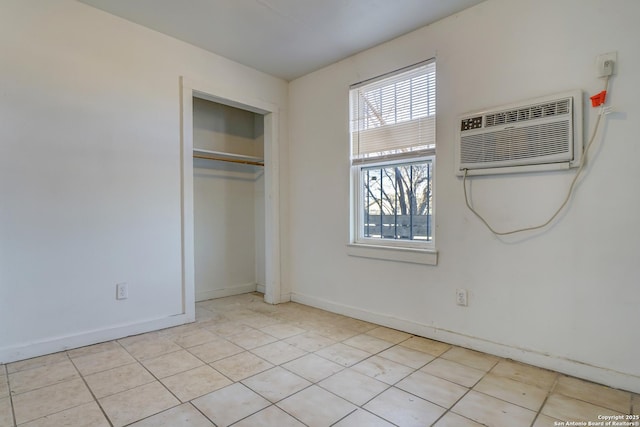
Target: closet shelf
x: 199, y: 153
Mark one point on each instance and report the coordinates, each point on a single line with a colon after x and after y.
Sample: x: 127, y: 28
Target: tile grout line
x: 158, y: 380
x: 506, y: 401
x: 95, y: 399
x: 274, y: 404
x: 199, y: 411
x: 307, y: 387
x: 396, y: 382
x: 560, y: 375
x: 39, y: 387
x: 389, y: 386
x: 45, y: 386
x: 190, y: 401
x: 345, y: 416
x: 136, y: 361
x: 10, y: 395
x: 537, y: 412
x: 472, y: 388
x: 449, y: 409
x: 81, y: 377
x: 197, y: 367
x: 316, y: 383
x: 546, y: 398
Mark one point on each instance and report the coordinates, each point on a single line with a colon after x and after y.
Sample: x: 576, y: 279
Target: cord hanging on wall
x: 599, y: 100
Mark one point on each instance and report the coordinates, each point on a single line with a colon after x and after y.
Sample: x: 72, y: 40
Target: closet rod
x: 222, y: 159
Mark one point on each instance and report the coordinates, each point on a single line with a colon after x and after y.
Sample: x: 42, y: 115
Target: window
x: 392, y: 158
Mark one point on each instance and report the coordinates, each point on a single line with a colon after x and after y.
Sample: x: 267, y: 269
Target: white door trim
x: 190, y: 89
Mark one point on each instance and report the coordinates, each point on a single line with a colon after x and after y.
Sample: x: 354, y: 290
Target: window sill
x: 389, y: 253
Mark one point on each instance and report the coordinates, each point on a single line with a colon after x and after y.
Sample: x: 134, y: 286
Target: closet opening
x: 228, y: 200
x: 230, y: 195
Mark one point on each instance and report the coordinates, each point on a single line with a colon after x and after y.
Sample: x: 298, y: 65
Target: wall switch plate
x: 122, y: 291
x: 607, y: 64
x: 461, y: 297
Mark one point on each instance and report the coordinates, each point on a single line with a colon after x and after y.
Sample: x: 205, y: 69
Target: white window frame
x: 404, y: 250
x: 359, y: 189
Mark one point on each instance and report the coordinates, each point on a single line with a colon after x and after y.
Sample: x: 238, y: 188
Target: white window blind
x: 394, y: 117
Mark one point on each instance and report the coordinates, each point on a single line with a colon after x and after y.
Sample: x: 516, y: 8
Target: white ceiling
x: 284, y: 38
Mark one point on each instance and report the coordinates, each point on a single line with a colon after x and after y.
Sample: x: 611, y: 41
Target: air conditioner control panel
x: 471, y: 123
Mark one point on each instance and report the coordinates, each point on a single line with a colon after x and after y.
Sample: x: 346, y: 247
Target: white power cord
x: 583, y: 162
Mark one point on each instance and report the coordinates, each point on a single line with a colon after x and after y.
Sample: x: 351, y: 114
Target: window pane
x: 396, y: 102
x: 397, y: 201
x: 394, y: 116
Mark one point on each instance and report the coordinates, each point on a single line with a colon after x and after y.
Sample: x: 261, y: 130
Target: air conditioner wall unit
x: 534, y: 135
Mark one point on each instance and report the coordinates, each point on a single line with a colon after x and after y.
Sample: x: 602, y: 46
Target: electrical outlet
x: 122, y: 291
x: 461, y: 297
x: 606, y: 64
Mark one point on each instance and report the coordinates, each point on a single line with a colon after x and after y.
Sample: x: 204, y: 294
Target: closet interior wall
x: 229, y: 225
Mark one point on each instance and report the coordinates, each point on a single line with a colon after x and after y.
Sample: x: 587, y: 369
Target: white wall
x: 228, y: 232
x: 90, y: 174
x: 565, y: 298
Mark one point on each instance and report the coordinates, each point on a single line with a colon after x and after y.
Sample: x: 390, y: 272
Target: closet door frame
x: 188, y: 90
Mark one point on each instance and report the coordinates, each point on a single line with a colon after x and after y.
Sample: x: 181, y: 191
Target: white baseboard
x: 225, y: 292
x: 53, y: 345
x: 601, y: 375
x: 260, y: 288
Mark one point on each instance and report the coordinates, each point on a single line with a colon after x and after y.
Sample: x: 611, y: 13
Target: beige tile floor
x: 247, y: 363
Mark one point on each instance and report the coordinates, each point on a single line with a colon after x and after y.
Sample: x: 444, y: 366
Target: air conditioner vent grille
x: 532, y: 112
x: 535, y: 142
